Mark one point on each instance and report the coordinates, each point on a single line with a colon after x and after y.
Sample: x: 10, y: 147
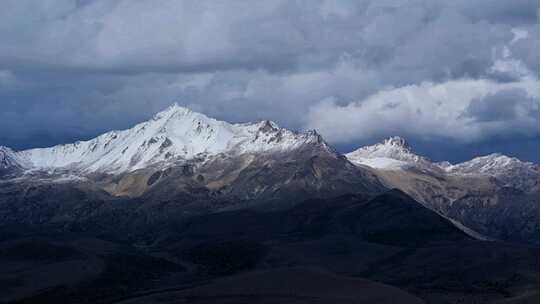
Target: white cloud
x: 425, y: 110
x: 84, y: 62
x: 519, y: 34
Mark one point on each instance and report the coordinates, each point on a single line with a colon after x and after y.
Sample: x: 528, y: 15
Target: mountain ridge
x: 189, y: 158
x: 395, y: 153
x: 198, y: 162
x: 180, y: 134
x: 495, y: 195
x: 176, y: 133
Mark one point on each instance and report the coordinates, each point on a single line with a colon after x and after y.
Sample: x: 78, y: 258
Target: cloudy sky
x: 457, y: 78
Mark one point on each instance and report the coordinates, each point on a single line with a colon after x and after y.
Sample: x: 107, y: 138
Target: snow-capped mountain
x: 395, y: 153
x: 495, y: 195
x: 200, y: 162
x: 175, y: 134
x: 493, y: 164
x: 510, y: 171
x: 195, y: 161
x: 392, y: 153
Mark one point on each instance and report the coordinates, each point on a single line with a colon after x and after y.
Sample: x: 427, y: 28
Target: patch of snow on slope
x: 10, y: 159
x: 381, y: 163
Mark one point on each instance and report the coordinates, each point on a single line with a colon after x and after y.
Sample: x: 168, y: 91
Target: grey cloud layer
x: 505, y: 105
x: 216, y: 35
x: 72, y: 69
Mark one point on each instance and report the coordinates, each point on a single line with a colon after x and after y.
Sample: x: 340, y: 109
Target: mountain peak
x: 393, y: 152
x: 174, y: 134
x: 397, y: 141
x: 173, y: 110
x: 268, y: 126
x: 492, y: 164
x: 510, y: 171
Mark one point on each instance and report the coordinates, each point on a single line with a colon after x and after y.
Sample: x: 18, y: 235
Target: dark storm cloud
x: 215, y: 35
x: 506, y: 105
x: 72, y: 69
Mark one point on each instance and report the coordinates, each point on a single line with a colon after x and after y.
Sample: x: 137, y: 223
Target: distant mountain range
x: 213, y: 165
x: 495, y: 195
x: 155, y: 211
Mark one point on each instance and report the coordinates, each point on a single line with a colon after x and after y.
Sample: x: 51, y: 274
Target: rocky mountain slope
x: 510, y: 171
x: 199, y: 163
x: 389, y: 239
x: 10, y: 162
x: 495, y: 195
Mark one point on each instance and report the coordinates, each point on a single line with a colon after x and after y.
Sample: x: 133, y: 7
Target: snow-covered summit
x: 492, y: 164
x: 393, y: 153
x: 510, y: 170
x: 174, y: 134
x: 397, y: 142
